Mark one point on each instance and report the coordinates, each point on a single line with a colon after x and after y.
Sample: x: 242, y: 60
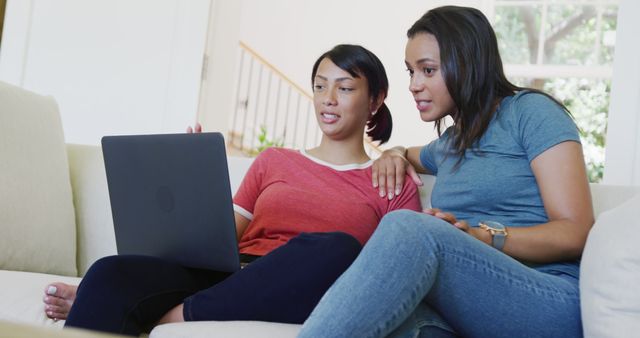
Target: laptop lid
x: 170, y: 198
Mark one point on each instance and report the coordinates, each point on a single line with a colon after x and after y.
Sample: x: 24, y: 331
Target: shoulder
x: 528, y: 110
x: 275, y: 153
x: 529, y: 104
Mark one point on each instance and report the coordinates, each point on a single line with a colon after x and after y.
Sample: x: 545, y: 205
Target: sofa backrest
x: 93, y: 211
x: 36, y: 210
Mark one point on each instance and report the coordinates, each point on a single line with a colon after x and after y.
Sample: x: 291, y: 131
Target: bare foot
x: 58, y: 299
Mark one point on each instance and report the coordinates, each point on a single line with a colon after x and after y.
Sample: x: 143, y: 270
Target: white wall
x: 114, y: 66
x: 622, y: 157
x: 295, y: 33
x: 217, y: 95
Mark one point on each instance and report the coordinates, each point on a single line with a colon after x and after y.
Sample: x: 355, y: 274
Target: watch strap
x: 498, y: 233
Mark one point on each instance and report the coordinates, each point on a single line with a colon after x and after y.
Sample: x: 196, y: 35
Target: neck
x: 340, y: 152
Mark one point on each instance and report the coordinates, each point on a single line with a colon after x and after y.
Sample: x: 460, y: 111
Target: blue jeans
x: 420, y: 276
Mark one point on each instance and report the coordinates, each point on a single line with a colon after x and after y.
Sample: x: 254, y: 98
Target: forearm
x: 559, y: 240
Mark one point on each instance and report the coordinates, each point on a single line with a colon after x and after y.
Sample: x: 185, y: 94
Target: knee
x: 104, y: 265
x: 99, y: 273
x: 405, y: 226
x: 332, y: 248
x: 402, y: 222
x: 107, y: 270
x: 338, y: 243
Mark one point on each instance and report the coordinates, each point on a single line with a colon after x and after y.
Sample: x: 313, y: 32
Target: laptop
x: 171, y: 198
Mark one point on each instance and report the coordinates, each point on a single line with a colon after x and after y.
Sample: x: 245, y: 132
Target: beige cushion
x: 609, y: 274
x: 94, y: 222
x: 13, y: 330
x: 22, y: 293
x: 224, y: 329
x: 36, y: 213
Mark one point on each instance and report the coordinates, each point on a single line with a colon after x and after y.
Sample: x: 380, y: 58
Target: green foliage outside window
x: 574, y: 37
x: 588, y: 102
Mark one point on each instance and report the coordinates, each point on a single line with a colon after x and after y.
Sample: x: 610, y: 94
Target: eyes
x: 428, y: 71
x: 320, y: 87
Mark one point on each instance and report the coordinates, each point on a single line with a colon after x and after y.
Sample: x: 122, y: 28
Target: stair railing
x: 272, y: 110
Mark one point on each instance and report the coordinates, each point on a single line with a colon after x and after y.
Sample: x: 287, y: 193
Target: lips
x: 423, y: 105
x: 328, y: 117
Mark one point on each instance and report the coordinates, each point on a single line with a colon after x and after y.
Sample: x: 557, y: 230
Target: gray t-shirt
x: 496, y: 183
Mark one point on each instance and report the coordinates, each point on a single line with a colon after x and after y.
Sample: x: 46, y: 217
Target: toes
x: 56, y: 315
x: 51, y: 290
x: 56, y: 312
x: 56, y: 301
x: 61, y: 290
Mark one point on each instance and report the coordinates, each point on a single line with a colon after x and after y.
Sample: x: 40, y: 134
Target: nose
x: 416, y: 83
x: 329, y: 98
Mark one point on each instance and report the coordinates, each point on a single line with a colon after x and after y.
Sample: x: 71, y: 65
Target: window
x: 565, y: 48
x: 3, y: 5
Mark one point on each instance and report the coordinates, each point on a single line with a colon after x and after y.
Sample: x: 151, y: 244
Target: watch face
x: 494, y: 225
x: 498, y: 233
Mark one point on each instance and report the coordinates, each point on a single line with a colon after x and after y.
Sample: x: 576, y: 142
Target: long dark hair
x: 472, y: 69
x: 360, y: 62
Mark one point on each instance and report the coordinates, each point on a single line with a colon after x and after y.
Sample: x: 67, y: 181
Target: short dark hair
x: 360, y: 62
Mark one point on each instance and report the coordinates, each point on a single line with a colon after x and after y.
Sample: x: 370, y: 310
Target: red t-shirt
x: 286, y: 192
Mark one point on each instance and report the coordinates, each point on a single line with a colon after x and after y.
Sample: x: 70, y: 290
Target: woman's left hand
x: 448, y: 217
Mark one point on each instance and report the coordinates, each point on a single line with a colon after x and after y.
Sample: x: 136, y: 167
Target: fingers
x: 388, y: 174
x: 445, y: 216
x: 196, y: 129
x: 414, y: 176
x: 379, y: 176
x: 430, y: 211
x: 399, y: 177
x: 392, y: 169
x: 391, y: 183
x: 462, y: 225
x: 374, y: 175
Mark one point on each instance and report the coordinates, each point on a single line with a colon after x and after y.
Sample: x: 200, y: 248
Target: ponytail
x: 380, y: 125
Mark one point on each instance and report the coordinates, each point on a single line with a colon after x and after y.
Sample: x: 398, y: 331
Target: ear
x: 376, y: 102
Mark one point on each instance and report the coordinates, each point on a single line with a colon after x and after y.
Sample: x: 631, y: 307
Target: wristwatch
x: 498, y: 233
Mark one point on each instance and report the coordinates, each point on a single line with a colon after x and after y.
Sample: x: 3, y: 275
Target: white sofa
x: 56, y: 220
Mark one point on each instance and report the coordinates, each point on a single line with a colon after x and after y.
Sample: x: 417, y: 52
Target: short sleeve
x: 252, y: 184
x: 541, y: 123
x: 428, y: 156
x: 408, y: 198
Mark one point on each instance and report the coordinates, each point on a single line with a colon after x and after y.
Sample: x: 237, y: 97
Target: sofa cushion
x: 223, y: 329
x: 36, y: 212
x: 609, y: 273
x: 94, y: 222
x: 21, y: 294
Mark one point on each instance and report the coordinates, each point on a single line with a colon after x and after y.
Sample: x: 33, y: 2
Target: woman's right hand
x: 389, y: 170
x: 196, y: 129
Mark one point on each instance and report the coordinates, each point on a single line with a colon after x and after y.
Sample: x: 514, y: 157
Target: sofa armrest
x: 606, y: 197
x: 95, y: 236
x: 609, y: 273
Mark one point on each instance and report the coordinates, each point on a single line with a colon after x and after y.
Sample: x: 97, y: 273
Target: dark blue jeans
x: 129, y: 294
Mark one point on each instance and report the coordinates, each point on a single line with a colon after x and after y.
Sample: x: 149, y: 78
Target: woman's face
x: 422, y: 57
x: 341, y: 101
